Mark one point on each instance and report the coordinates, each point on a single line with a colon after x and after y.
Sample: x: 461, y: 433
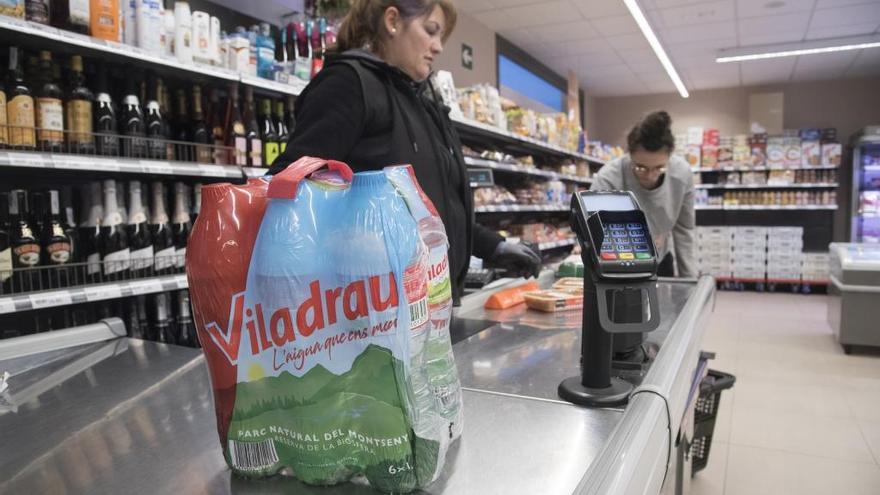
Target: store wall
x: 479, y: 37
x: 847, y: 104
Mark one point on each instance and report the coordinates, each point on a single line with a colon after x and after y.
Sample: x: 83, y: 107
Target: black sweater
x: 368, y: 114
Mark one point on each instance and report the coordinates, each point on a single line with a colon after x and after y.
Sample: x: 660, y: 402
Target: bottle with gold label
x: 19, y: 106
x: 50, y: 109
x: 268, y: 133
x: 4, y: 135
x: 236, y: 137
x: 25, y: 242
x: 78, y: 111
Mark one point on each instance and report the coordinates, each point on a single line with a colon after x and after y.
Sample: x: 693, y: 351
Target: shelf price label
x: 181, y: 282
x: 50, y: 299
x: 102, y: 293
x: 157, y: 167
x: 26, y: 160
x: 146, y: 287
x: 212, y: 171
x: 7, y: 305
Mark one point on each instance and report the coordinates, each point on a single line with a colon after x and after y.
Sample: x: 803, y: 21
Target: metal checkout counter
x: 96, y: 412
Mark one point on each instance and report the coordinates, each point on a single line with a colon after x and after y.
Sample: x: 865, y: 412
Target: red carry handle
x: 285, y: 184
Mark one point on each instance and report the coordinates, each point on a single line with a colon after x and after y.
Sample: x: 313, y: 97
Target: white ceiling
x: 600, y: 41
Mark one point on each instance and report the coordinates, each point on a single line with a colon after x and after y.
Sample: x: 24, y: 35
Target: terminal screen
x: 607, y: 202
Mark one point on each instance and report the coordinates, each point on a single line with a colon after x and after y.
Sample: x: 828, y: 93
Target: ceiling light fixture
x: 794, y: 49
x: 640, y: 19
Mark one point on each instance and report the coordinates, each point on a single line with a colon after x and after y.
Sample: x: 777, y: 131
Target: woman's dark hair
x: 363, y: 24
x: 653, y: 133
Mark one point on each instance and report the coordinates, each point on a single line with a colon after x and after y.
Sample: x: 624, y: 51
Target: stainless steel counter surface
x: 139, y: 419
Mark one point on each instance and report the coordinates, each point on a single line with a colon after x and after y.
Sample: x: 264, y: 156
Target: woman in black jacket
x: 373, y: 106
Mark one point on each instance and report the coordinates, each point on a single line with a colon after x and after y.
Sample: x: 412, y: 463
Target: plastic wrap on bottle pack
x: 325, y: 337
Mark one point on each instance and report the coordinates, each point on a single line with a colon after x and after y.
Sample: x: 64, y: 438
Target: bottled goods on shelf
x: 134, y: 117
x: 42, y: 247
x: 773, y: 178
x: 766, y: 198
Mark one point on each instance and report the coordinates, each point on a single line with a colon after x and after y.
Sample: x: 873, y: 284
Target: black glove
x: 517, y: 258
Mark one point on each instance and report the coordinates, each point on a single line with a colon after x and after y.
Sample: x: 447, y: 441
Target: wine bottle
x: 181, y: 225
x: 50, y: 109
x: 25, y: 243
x: 78, y: 111
x: 237, y: 138
x: 37, y: 11
x: 163, y: 325
x: 281, y: 127
x: 5, y: 246
x: 165, y: 112
x: 69, y: 223
x: 252, y: 130
x: 200, y: 133
x: 90, y: 231
x: 142, y: 318
x: 163, y: 236
x: 37, y: 211
x: 4, y: 122
x: 197, y: 202
x: 155, y: 126
x: 57, y: 248
x: 132, y: 323
x: 20, y: 106
x: 186, y: 329
x: 268, y: 134
x: 114, y: 241
x: 289, y: 116
x: 183, y: 152
x: 72, y: 15
x: 139, y: 239
x: 106, y: 138
x: 131, y: 122
x: 218, y: 130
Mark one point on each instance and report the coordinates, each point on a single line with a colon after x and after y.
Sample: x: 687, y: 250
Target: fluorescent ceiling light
x: 637, y: 14
x: 795, y: 49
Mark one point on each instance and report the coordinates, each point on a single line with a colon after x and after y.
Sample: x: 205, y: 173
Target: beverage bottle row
x: 119, y: 236
x: 173, y: 29
x: 161, y: 317
x: 780, y: 198
x: 39, y: 115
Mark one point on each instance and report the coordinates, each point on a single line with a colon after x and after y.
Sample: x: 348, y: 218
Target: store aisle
x: 803, y: 417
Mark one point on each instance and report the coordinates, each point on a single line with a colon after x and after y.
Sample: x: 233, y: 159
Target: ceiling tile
x: 825, y: 4
x: 770, y: 38
x: 845, y: 16
x: 718, y: 76
x: 611, y: 26
x: 718, y: 11
x: 495, y: 20
x: 820, y: 33
x: 639, y: 56
x: 593, y: 9
x: 867, y: 57
x: 757, y: 26
x: 629, y: 42
x: 503, y: 4
x: 698, y: 33
x: 537, y: 14
x: 599, y: 59
x: 577, y: 30
x: 596, y: 45
x: 767, y: 71
x: 473, y: 6
x: 620, y: 72
x: 760, y: 8
x: 650, y: 67
x: 823, y: 65
x: 665, y: 4
x: 697, y: 54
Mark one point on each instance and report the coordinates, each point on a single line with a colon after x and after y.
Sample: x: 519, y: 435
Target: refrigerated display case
x: 855, y: 290
x: 865, y: 213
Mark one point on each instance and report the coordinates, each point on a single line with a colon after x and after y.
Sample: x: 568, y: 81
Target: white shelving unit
x: 818, y: 185
x: 765, y: 207
x: 519, y: 208
x: 533, y: 172
x: 762, y: 169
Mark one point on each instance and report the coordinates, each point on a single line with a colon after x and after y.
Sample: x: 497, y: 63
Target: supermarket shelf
x: 817, y: 185
x: 519, y: 208
x: 98, y: 47
x: 546, y: 246
x: 467, y: 125
x: 90, y: 293
x: 60, y: 161
x: 869, y: 214
x: 765, y: 207
x: 764, y: 169
x: 508, y: 167
x: 871, y: 168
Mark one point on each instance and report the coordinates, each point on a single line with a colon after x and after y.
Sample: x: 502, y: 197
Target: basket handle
x: 285, y: 184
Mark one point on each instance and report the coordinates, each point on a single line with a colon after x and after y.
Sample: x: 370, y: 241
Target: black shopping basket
x: 705, y: 413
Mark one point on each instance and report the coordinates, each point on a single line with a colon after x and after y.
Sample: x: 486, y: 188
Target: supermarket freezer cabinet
x: 107, y: 414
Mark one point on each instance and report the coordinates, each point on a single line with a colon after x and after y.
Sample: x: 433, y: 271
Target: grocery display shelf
x: 133, y: 55
x: 534, y: 172
x: 519, y: 208
x: 547, y: 246
x: 61, y: 161
x: 816, y: 185
x: 764, y: 169
x: 871, y: 168
x: 869, y: 214
x: 90, y: 293
x: 467, y: 125
x: 765, y: 207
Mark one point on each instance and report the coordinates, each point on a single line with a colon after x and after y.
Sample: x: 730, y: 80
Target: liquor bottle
x: 268, y: 133
x: 90, y: 232
x: 200, y: 134
x: 19, y: 106
x: 69, y: 223
x: 106, y: 138
x: 104, y: 19
x: 25, y: 242
x: 37, y: 11
x: 131, y: 122
x: 197, y: 202
x: 163, y: 236
x: 132, y: 323
x: 183, y: 152
x: 163, y: 324
x: 37, y: 211
x: 142, y: 318
x: 289, y: 116
x: 165, y: 112
x: 139, y: 239
x: 303, y: 64
x: 57, y: 248
x: 320, y: 47
x: 181, y: 225
x: 4, y: 122
x: 218, y: 128
x: 237, y: 138
x: 252, y: 130
x: 5, y: 246
x: 281, y: 127
x: 78, y: 111
x: 186, y: 329
x: 157, y: 148
x: 114, y: 241
x: 72, y: 15
x: 50, y: 109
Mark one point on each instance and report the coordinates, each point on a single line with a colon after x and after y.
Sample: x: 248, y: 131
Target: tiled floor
x: 803, y: 418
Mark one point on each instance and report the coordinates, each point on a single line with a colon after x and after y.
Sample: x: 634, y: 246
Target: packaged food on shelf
x: 445, y: 85
x: 725, y: 153
x: 709, y: 156
x: 12, y: 8
x: 831, y: 153
x: 692, y: 155
x: 758, y: 146
x: 495, y: 195
x: 711, y: 137
x: 776, y: 152
x: 811, y: 153
x: 792, y: 145
x: 695, y: 135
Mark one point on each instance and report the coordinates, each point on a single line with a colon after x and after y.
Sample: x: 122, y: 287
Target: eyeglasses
x: 643, y: 170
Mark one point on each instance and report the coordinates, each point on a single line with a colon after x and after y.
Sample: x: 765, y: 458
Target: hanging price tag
x: 50, y: 299
x: 102, y: 293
